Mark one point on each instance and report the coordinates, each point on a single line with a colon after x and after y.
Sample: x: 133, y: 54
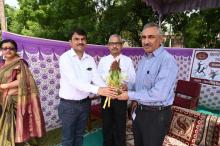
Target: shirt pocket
x: 88, y: 73
x: 150, y: 77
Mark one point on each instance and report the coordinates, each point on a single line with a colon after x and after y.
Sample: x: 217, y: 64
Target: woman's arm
x: 10, y: 85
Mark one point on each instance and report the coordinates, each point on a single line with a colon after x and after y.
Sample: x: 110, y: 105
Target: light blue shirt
x: 155, y: 79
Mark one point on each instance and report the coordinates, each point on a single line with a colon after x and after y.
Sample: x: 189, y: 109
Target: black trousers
x: 114, y: 123
x: 150, y: 127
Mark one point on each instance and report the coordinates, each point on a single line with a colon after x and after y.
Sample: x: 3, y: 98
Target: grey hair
x: 116, y: 35
x: 152, y: 24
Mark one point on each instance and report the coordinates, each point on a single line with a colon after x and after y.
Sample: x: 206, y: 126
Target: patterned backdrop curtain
x: 43, y: 55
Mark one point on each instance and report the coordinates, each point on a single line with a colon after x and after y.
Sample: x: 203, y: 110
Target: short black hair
x: 79, y: 31
x: 9, y: 41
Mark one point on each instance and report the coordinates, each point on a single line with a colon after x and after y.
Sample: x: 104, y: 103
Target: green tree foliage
x: 27, y: 19
x: 54, y: 19
x: 123, y: 17
x: 66, y: 15
x: 9, y: 14
x: 198, y: 29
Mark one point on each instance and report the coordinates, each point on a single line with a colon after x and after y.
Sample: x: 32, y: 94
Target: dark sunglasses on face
x: 9, y: 48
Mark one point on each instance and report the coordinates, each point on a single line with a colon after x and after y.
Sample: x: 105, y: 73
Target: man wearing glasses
x: 114, y: 117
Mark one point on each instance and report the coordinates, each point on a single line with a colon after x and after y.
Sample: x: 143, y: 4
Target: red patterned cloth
x: 186, y: 125
x: 192, y: 128
x: 188, y: 128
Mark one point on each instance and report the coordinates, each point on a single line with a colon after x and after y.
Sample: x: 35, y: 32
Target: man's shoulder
x: 167, y: 55
x: 65, y: 53
x: 105, y: 58
x: 89, y: 57
x: 126, y: 58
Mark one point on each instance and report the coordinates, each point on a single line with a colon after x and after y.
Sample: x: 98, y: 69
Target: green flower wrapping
x: 114, y: 80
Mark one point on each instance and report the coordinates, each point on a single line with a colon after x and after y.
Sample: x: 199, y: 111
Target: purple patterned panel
x: 185, y: 52
x: 33, y: 44
x: 42, y: 55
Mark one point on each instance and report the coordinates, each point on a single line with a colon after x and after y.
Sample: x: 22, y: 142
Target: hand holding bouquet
x: 114, y: 80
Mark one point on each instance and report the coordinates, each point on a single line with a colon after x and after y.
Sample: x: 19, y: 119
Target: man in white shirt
x: 79, y: 78
x: 114, y: 117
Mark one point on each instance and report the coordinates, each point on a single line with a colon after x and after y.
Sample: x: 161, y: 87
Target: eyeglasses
x: 115, y: 43
x: 9, y: 48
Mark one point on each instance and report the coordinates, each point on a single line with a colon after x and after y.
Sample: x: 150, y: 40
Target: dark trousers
x: 114, y: 123
x: 74, y: 118
x: 150, y: 127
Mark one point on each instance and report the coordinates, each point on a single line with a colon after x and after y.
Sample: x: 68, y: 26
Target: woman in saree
x: 21, y: 118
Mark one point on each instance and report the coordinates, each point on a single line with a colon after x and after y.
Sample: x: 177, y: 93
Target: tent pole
x: 160, y: 16
x: 2, y: 15
x: 170, y: 35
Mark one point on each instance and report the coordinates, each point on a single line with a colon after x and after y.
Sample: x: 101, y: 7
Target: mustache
x: 147, y: 45
x: 80, y: 44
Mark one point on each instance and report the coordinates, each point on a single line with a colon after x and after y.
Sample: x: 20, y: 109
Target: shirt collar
x: 155, y: 52
x: 73, y: 53
x: 117, y: 58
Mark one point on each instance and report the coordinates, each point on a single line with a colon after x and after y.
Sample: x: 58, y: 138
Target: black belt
x: 75, y: 101
x: 153, y: 108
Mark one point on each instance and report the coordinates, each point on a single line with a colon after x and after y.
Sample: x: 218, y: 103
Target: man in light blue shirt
x: 153, y: 89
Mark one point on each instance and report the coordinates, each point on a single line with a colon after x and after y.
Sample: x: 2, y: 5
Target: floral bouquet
x: 114, y: 80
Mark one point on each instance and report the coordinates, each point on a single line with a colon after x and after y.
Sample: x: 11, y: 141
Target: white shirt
x: 79, y: 77
x: 126, y: 65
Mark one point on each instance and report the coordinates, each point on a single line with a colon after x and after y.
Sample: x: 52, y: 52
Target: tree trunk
x: 2, y: 15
